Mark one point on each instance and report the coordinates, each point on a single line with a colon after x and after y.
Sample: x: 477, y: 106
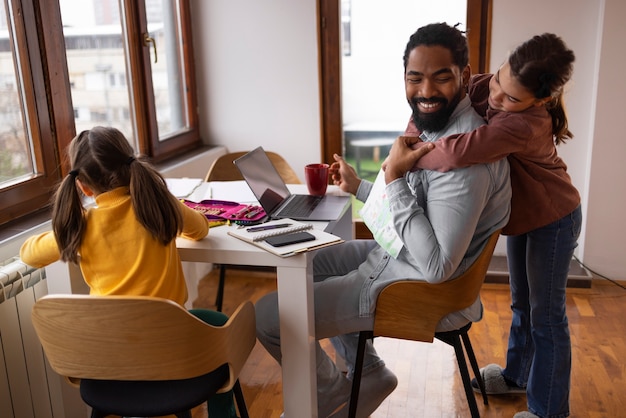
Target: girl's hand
x: 402, y: 157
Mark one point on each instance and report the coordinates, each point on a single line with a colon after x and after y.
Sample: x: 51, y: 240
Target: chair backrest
x: 138, y: 338
x: 411, y: 310
x: 223, y: 168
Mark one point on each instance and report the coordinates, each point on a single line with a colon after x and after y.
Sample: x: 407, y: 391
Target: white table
x: 295, y: 298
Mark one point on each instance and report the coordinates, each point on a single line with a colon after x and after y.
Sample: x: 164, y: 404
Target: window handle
x: 147, y: 40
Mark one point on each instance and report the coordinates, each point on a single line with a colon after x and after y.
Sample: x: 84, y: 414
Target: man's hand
x: 402, y: 157
x: 344, y: 175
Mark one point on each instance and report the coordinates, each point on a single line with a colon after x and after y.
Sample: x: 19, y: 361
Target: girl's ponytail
x: 156, y: 208
x: 68, y: 218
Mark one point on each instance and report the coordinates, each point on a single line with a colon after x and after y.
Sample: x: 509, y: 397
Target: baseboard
x: 498, y: 272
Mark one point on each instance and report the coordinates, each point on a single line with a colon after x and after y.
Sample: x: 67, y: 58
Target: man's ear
x: 85, y: 189
x: 465, y: 76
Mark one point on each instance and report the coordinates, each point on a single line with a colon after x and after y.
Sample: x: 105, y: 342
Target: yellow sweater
x: 118, y: 256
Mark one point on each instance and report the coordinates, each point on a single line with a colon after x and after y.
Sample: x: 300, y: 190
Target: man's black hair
x: 444, y: 35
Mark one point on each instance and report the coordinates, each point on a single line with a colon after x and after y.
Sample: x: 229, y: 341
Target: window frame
x: 48, y: 104
x: 141, y: 85
x: 32, y: 194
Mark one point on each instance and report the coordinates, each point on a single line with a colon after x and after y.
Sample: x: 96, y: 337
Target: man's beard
x: 436, y: 121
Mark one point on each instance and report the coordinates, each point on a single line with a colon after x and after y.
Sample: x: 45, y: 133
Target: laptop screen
x: 264, y: 181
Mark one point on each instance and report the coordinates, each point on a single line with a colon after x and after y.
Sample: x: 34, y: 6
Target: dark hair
x: 444, y: 35
x: 543, y: 65
x: 103, y: 160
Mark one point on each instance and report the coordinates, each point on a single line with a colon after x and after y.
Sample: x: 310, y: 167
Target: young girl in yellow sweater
x: 125, y: 244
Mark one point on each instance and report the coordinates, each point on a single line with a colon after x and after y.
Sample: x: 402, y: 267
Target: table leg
x: 297, y: 334
x: 357, y: 157
x: 376, y: 154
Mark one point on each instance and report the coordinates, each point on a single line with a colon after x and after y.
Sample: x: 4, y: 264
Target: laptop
x: 276, y: 199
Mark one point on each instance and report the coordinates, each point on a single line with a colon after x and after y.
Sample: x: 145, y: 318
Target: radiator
x: 28, y: 386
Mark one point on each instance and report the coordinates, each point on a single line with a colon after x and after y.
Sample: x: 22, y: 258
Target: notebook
x: 259, y: 237
x: 276, y: 199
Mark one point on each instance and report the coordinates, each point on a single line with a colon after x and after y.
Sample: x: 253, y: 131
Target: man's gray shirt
x: 443, y: 219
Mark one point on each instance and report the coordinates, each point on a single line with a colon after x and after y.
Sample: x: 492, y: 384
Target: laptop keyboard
x: 300, y: 206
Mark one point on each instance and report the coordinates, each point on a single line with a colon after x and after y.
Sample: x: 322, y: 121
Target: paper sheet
x: 182, y: 187
x: 377, y: 216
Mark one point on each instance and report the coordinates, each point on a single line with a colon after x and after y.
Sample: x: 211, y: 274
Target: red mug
x: 316, y: 176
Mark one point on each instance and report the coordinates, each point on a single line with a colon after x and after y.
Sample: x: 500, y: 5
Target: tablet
x: 282, y: 240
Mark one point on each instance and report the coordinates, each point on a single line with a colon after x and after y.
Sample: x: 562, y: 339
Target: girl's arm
x: 506, y: 133
x: 195, y: 224
x: 40, y: 250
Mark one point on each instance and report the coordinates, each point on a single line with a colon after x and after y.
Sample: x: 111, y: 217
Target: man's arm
x: 438, y: 234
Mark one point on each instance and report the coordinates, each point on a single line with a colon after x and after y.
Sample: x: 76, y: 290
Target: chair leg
x: 241, y: 404
x: 219, y: 298
x: 358, y: 370
x: 98, y: 414
x: 453, y: 339
x: 472, y: 359
x: 467, y: 384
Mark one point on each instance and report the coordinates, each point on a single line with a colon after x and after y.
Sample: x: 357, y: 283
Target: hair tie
x: 73, y: 173
x: 130, y: 160
x: 546, y: 80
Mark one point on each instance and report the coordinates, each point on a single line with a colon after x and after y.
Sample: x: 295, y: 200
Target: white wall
x: 606, y: 197
x: 257, y: 68
x: 257, y: 73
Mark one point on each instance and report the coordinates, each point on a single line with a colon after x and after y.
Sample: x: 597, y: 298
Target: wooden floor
x: 429, y: 385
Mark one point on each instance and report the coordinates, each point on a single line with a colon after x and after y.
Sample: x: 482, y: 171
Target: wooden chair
x: 143, y: 356
x: 223, y: 169
x: 411, y: 310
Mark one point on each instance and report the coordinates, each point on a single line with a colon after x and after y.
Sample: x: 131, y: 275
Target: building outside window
x: 123, y: 63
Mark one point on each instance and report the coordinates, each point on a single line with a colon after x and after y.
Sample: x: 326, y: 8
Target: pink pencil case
x: 225, y: 210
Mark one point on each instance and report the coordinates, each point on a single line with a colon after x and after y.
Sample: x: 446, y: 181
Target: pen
x: 253, y: 213
x: 267, y: 227
x: 241, y: 212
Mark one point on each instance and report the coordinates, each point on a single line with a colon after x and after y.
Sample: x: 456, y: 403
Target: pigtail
x: 560, y: 128
x: 156, y: 208
x: 68, y: 218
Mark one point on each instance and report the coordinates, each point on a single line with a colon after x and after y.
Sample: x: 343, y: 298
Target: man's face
x: 434, y: 86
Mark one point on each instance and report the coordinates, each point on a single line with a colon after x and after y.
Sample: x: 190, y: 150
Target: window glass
x: 15, y: 147
x: 374, y: 107
x: 164, y: 29
x: 69, y: 65
x: 96, y: 65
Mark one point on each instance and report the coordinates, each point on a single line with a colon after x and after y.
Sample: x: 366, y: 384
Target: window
x: 124, y: 63
x: 335, y: 18
x: 342, y: 22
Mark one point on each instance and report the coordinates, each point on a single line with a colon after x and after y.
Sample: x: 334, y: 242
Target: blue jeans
x: 539, y: 352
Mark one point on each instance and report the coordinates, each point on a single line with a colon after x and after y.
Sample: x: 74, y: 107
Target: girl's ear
x: 543, y: 102
x: 85, y: 189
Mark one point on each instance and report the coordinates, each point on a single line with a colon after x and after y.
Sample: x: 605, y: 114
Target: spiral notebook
x: 258, y: 234
x: 284, y: 227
